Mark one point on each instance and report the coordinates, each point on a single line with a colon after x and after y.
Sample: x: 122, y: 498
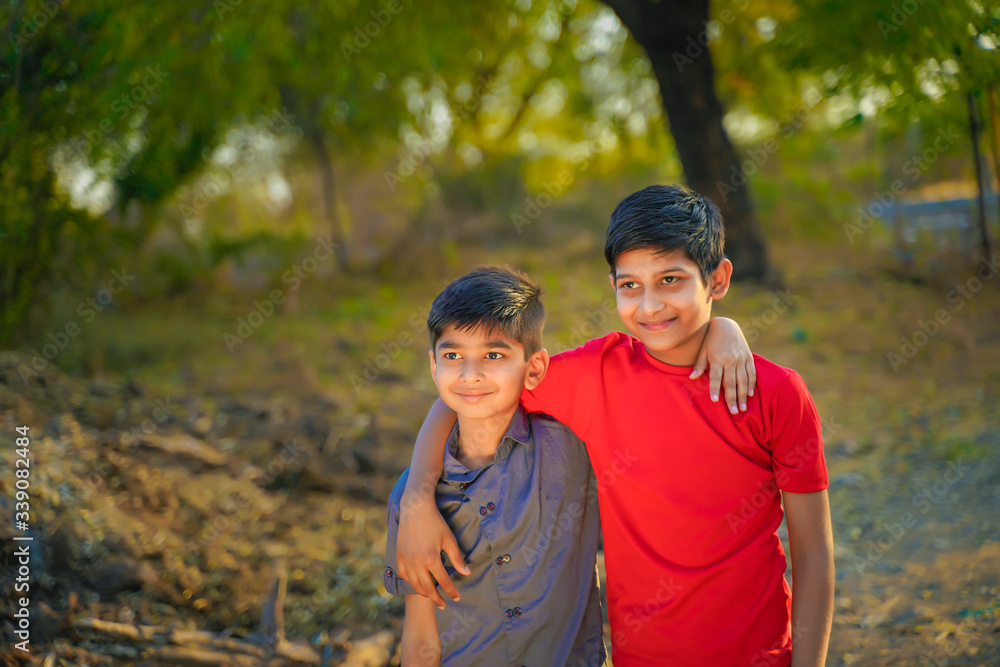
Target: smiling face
x: 481, y: 375
x: 665, y: 303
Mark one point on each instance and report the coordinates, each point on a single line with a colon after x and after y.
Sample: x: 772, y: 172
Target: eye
x: 494, y: 355
x: 670, y: 280
x: 451, y: 356
x: 628, y: 284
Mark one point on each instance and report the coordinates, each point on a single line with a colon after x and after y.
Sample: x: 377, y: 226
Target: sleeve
x: 394, y: 584
x: 797, y: 438
x: 572, y: 387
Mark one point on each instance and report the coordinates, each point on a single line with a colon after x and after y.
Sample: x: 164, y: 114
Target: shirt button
x: 506, y: 558
x: 509, y: 613
x: 388, y: 571
x: 463, y: 486
x: 490, y: 506
x: 482, y: 510
x: 517, y: 611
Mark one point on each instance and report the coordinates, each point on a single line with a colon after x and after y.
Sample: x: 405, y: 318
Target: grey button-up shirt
x: 528, y: 527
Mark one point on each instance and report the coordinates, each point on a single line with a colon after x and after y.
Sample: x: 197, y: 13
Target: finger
x: 428, y: 589
x: 701, y: 364
x: 413, y: 579
x: 401, y: 570
x: 444, y: 581
x: 751, y: 377
x: 729, y: 380
x: 742, y: 384
x: 714, y: 381
x: 454, y: 554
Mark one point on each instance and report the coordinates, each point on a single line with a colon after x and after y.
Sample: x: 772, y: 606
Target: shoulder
x: 555, y: 443
x: 775, y: 382
x: 615, y: 345
x: 550, y: 431
x: 600, y: 346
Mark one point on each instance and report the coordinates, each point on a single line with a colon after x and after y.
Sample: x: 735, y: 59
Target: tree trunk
x: 984, y: 234
x: 315, y: 136
x: 327, y: 193
x: 674, y: 36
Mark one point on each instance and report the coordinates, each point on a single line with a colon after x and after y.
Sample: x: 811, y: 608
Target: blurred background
x: 222, y: 225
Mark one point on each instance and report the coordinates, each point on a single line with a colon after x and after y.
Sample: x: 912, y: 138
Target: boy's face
x: 481, y: 376
x: 664, y: 302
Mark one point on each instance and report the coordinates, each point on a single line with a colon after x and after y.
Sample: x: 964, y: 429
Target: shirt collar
x: 518, y: 432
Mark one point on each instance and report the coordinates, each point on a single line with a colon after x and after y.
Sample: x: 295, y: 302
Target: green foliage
x: 490, y: 100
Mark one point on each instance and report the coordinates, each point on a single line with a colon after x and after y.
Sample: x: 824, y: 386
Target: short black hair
x: 497, y: 298
x: 666, y: 218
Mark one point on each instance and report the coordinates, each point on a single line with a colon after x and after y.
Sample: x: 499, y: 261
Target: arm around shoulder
x: 423, y: 533
x: 421, y: 645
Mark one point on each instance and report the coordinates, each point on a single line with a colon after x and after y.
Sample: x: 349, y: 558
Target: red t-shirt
x: 689, y: 500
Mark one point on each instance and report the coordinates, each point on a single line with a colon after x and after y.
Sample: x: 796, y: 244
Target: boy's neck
x: 685, y: 354
x: 479, y: 439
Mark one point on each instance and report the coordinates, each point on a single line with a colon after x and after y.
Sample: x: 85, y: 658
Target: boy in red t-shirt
x: 690, y: 495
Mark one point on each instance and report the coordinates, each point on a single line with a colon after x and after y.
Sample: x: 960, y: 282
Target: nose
x: 471, y: 373
x: 651, y: 303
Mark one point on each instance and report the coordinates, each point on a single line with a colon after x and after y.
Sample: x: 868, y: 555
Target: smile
x: 657, y: 326
x: 472, y: 397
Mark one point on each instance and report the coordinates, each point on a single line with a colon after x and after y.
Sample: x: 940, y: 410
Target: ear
x: 720, y: 279
x: 538, y: 366
x: 434, y: 366
x: 611, y: 277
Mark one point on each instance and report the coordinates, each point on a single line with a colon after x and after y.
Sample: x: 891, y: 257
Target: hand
x: 726, y: 353
x: 423, y: 535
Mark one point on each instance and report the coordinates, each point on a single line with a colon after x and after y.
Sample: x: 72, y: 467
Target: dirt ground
x: 919, y: 586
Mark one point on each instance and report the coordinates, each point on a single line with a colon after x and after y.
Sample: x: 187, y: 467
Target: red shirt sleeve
x: 796, y: 438
x: 571, y: 390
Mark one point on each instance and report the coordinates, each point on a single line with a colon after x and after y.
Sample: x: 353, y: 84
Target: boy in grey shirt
x: 517, y: 490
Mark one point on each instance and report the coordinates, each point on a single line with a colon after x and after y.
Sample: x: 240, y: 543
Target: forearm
x: 428, y: 453
x: 420, y: 651
x: 812, y: 607
x: 421, y: 645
